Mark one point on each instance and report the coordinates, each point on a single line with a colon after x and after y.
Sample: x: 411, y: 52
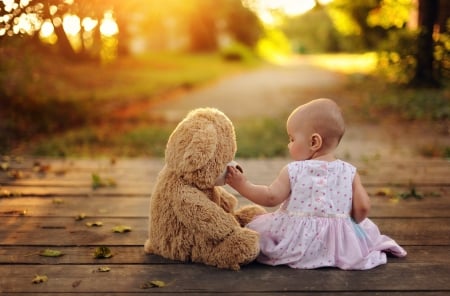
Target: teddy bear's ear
x: 191, y: 146
x: 201, y: 148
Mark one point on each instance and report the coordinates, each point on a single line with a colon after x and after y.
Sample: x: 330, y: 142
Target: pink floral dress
x: 312, y: 228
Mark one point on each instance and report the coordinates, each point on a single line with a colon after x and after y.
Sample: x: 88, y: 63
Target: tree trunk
x: 425, y: 74
x: 65, y: 48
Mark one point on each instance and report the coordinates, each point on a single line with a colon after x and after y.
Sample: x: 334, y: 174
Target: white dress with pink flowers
x: 312, y: 228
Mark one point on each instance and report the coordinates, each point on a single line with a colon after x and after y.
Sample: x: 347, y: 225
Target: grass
x: 66, y: 108
x: 261, y: 137
x: 84, y: 109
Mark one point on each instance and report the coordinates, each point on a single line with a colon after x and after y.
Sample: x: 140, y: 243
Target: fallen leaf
x: 80, y: 217
x: 103, y: 269
x: 41, y: 168
x: 98, y: 181
x: 94, y: 224
x: 153, y: 284
x: 18, y: 159
x: 57, y: 201
x: 4, y: 165
x: 384, y: 191
x: 51, y: 253
x: 39, y: 279
x: 5, y: 193
x: 411, y: 193
x: 102, y: 253
x: 16, y: 174
x: 121, y: 228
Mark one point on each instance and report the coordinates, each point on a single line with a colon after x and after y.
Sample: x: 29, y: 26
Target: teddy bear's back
x: 169, y: 237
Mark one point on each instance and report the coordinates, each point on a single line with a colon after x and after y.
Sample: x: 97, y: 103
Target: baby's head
x: 321, y: 117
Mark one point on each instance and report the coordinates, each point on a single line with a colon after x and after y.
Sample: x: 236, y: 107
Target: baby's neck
x: 324, y: 156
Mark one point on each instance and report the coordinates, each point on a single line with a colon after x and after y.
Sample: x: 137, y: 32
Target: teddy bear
x: 192, y: 218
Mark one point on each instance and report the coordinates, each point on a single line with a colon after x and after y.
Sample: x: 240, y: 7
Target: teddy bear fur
x: 191, y: 219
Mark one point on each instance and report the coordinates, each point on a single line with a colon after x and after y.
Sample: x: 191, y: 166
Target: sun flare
x: 264, y: 8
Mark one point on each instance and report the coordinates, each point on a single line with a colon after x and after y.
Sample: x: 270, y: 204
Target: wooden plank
x: 66, y: 231
x: 359, y: 293
x: 86, y: 191
x: 146, y: 190
x: 279, y: 293
x: 421, y: 226
x: 135, y: 255
x: 196, y: 278
x: 262, y: 171
x: 63, y: 206
x: 435, y: 203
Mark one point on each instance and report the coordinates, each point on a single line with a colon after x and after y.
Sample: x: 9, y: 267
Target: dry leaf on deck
x: 121, y: 228
x: 51, y: 253
x: 39, y: 279
x: 94, y: 224
x: 80, y: 217
x: 102, y: 253
x: 153, y: 284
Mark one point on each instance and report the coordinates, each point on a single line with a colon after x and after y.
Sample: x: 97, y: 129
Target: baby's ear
x: 316, y: 141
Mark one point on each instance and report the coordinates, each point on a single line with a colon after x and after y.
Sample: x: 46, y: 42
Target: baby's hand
x: 234, y: 177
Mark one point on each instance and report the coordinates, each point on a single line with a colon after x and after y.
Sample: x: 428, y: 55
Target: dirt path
x: 275, y: 91
x: 271, y: 91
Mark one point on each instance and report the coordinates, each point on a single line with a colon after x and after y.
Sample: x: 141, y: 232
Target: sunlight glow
x: 53, y: 9
x: 47, y: 32
x: 292, y: 8
x: 347, y: 63
x: 47, y: 29
x: 89, y: 23
x: 265, y: 8
x: 10, y: 5
x: 71, y: 24
x: 26, y: 23
x: 109, y: 26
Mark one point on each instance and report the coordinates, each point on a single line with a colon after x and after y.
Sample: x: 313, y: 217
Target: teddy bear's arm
x: 227, y: 201
x: 201, y: 215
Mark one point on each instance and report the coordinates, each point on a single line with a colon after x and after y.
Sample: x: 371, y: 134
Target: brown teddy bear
x: 191, y: 218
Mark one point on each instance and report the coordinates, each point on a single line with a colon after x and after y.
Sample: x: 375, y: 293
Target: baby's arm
x: 361, y: 201
x: 267, y: 196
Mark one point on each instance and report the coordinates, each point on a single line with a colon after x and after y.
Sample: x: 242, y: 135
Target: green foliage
x: 99, y: 182
x: 147, y: 140
x: 261, y: 137
x: 408, y: 104
x: 44, y: 95
x: 299, y: 31
x: 274, y: 46
x: 72, y: 142
x: 391, y: 13
x: 237, y: 52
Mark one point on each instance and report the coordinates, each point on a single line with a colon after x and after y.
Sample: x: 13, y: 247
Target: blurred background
x: 77, y: 77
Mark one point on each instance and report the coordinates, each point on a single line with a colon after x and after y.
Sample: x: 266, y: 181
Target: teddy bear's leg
x: 247, y: 213
x: 147, y: 247
x: 239, y: 248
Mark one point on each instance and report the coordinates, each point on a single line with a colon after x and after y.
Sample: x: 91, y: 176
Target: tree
x: 425, y: 75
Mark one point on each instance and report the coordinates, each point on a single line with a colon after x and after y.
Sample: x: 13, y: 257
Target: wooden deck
x: 39, y: 202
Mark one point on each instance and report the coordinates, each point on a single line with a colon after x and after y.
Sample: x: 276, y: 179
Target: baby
x: 322, y: 218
